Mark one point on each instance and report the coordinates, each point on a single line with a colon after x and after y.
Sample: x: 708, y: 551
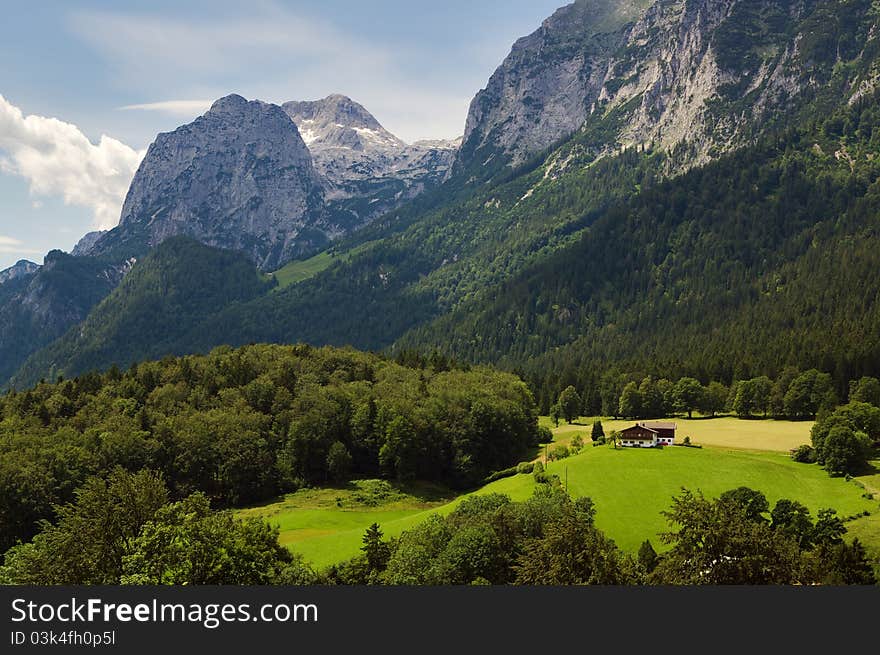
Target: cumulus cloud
x: 58, y: 159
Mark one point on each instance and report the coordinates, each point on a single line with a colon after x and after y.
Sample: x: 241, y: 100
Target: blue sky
x: 114, y: 74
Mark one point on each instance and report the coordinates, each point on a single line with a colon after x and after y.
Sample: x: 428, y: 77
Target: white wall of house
x: 635, y: 443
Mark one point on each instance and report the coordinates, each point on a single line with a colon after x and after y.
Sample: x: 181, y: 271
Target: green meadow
x: 631, y: 487
x: 301, y: 270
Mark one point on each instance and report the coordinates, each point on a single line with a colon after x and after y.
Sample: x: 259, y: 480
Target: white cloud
x: 58, y: 159
x: 181, y: 108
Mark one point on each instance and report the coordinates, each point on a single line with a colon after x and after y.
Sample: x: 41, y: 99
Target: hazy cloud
x: 271, y: 54
x: 10, y: 245
x: 58, y: 159
x: 181, y: 108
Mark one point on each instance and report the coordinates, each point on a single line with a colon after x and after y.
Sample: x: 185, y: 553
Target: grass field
x: 630, y: 487
x: 299, y: 271
x: 726, y: 432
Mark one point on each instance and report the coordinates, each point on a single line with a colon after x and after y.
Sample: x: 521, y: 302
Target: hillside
x: 178, y: 284
x: 613, y: 247
x: 40, y: 305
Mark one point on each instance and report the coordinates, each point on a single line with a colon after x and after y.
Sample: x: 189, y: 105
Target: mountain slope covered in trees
x: 642, y: 260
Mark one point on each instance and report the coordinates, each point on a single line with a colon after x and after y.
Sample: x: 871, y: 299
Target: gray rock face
x: 84, y: 245
x: 20, y: 269
x: 660, y: 73
x: 239, y: 177
x: 545, y: 88
x: 244, y: 177
x: 365, y: 169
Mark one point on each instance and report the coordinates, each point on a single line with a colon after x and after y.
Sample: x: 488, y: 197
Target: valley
x: 303, y: 326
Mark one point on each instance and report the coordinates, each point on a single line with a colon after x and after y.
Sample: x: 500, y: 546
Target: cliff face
x: 244, y: 177
x: 706, y: 73
x: 240, y: 177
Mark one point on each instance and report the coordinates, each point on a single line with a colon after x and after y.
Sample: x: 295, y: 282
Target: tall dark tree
x: 375, y: 549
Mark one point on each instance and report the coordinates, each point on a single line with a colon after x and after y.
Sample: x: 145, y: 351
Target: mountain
x: 243, y: 177
x: 362, y: 164
x: 39, y: 306
x: 239, y: 177
x: 180, y: 283
x: 21, y: 268
x: 734, y: 244
x: 548, y: 85
x: 704, y: 75
x: 86, y: 243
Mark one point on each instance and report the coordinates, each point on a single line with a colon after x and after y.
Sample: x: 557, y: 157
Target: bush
x: 545, y: 434
x: 687, y: 441
x: 576, y: 444
x: 538, y: 468
x: 504, y: 473
x: 805, y: 454
x: 546, y: 478
x: 559, y: 451
x: 525, y: 467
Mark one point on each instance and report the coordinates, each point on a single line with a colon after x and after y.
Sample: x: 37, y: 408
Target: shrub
x: 545, y: 434
x: 804, y: 454
x: 560, y: 451
x: 576, y: 444
x: 687, y: 441
x: 546, y: 478
x: 504, y: 473
x: 525, y: 467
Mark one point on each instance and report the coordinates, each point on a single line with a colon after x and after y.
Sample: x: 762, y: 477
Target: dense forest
x: 242, y: 426
x: 761, y: 260
x: 758, y: 262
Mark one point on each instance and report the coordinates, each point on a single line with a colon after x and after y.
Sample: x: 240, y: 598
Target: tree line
x: 793, y: 395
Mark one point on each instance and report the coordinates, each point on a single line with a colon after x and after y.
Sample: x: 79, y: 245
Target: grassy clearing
x: 630, y: 487
x: 326, y: 525
x: 299, y: 271
x: 724, y: 432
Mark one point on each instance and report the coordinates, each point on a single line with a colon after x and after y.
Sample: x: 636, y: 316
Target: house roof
x: 658, y: 425
x: 640, y: 428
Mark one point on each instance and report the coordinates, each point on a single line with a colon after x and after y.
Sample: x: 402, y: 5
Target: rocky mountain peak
x: 705, y: 74
x: 21, y: 268
x: 358, y: 159
x: 337, y: 121
x: 231, y: 104
x: 238, y: 177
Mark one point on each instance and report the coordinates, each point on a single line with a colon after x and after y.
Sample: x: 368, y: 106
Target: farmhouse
x: 648, y: 435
